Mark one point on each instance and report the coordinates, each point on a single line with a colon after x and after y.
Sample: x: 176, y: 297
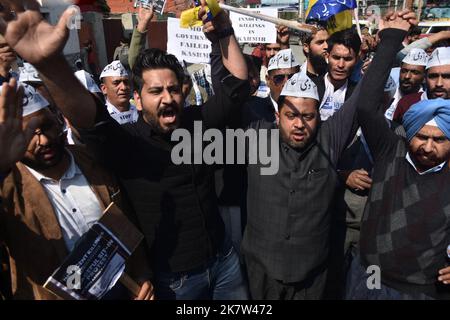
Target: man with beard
x: 51, y: 196
x: 315, y: 49
x: 405, y: 231
x: 437, y: 79
x: 287, y: 238
x: 175, y: 204
x: 411, y: 77
x: 343, y: 51
x: 116, y: 89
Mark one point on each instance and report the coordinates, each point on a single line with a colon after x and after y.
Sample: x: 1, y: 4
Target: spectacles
x: 279, y: 78
x: 51, y: 132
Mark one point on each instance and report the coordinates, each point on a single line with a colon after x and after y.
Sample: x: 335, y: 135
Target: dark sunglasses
x: 279, y: 78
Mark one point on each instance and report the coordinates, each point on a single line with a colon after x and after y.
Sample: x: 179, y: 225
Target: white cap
x: 416, y: 57
x: 28, y: 73
x: 390, y: 85
x: 32, y: 100
x: 114, y: 69
x: 87, y: 80
x: 284, y: 59
x: 301, y: 86
x: 439, y: 57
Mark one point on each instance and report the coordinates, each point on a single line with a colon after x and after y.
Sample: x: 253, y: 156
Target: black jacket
x: 289, y: 214
x: 175, y: 204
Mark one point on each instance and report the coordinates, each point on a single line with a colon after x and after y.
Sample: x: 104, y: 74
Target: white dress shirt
x: 431, y: 170
x: 333, y: 99
x: 74, y: 202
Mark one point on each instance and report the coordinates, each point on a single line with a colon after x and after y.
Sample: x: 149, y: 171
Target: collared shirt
x: 434, y: 169
x: 75, y: 204
x: 275, y: 104
x: 333, y: 99
x: 389, y: 114
x: 129, y: 116
x: 263, y: 90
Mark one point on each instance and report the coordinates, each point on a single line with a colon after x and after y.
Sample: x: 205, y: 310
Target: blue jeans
x: 222, y: 279
x: 231, y: 216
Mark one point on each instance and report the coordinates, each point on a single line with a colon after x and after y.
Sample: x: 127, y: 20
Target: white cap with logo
x: 300, y: 86
x: 416, y: 57
x: 32, y: 100
x: 284, y: 59
x: 439, y: 57
x: 87, y: 80
x: 114, y: 69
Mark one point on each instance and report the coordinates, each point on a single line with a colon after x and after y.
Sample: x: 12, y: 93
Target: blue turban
x: 422, y: 112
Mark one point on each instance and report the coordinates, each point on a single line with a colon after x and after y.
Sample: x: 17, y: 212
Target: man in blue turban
x: 405, y: 230
x: 427, y: 126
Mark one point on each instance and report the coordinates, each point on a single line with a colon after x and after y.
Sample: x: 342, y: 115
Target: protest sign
x: 188, y: 44
x: 253, y: 30
x: 97, y: 261
x: 158, y: 5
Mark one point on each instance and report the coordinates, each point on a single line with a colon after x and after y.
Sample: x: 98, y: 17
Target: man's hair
x: 256, y: 61
x: 349, y: 38
x: 306, y: 37
x: 152, y: 59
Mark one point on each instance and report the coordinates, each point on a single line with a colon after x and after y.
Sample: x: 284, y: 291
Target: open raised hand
x: 402, y: 20
x: 13, y: 138
x: 144, y: 16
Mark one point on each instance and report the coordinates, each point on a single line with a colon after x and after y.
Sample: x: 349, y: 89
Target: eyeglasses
x: 51, y: 132
x: 279, y: 78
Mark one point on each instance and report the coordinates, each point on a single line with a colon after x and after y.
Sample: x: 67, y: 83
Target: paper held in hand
x: 158, y: 5
x: 98, y: 260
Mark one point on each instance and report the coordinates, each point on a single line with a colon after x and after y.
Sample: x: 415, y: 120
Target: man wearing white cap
x: 287, y: 253
x: 176, y: 204
x: 116, y: 88
x: 270, y: 50
x: 411, y: 77
x: 281, y: 67
x: 51, y: 194
x: 437, y: 80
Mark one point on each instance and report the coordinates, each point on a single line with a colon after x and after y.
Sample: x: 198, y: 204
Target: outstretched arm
x: 219, y: 30
x: 41, y: 44
x: 369, y: 92
x: 424, y: 43
x: 139, y: 36
x: 376, y: 131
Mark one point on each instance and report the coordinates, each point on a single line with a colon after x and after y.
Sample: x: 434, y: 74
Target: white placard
x: 252, y: 30
x: 189, y: 45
